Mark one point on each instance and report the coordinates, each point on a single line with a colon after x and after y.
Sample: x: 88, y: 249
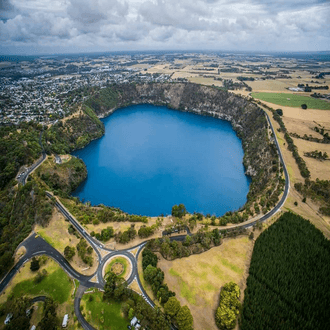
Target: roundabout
x: 120, y: 265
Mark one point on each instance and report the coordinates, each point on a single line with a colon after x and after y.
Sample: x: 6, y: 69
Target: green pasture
x: 292, y: 100
x: 103, y: 314
x: 56, y: 285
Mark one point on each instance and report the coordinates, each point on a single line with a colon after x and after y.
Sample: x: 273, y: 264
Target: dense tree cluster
x: 69, y: 252
x: 63, y: 178
x: 20, y: 208
x: 146, y: 231
x: 17, y: 307
x: 19, y: 145
x: 105, y: 234
x: 84, y: 252
x: 202, y: 241
x: 76, y: 133
x: 229, y: 306
x: 288, y: 283
x: 50, y: 321
x: 133, y: 304
x: 90, y: 215
x: 155, y: 276
x: 179, y: 211
x: 180, y: 315
x: 126, y: 236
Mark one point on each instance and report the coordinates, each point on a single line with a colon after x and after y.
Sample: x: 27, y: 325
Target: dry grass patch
x: 135, y: 287
x: 19, y: 253
x: 205, y: 81
x: 197, y: 279
x: 318, y: 169
x: 56, y: 234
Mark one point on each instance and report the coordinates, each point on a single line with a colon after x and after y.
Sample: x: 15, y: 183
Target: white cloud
x: 165, y: 24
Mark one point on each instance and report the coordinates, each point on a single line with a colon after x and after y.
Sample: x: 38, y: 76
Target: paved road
x: 23, y: 176
x: 37, y: 246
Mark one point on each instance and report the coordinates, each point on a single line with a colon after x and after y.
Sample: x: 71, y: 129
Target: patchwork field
x: 197, y: 279
x: 292, y: 100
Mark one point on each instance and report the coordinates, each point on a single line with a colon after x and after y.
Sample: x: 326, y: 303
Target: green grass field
x: 56, y: 285
x: 103, y: 315
x: 294, y: 100
x: 120, y: 260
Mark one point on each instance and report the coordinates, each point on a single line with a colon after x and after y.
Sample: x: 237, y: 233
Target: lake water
x: 151, y: 158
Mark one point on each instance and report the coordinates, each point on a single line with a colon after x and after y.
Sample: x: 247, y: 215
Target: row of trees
x: 201, y: 241
x: 288, y: 279
x: 292, y: 147
x: 153, y: 275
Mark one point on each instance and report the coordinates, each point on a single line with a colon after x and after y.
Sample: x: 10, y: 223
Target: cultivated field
x: 197, y: 279
x: 292, y: 100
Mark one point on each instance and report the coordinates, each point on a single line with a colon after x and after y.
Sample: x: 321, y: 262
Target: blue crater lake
x: 151, y: 158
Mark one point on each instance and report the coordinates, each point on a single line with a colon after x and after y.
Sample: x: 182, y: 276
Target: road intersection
x: 35, y: 246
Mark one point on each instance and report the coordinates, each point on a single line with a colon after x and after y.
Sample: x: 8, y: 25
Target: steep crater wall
x: 248, y: 120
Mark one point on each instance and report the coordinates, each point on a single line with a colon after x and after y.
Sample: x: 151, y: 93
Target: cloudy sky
x: 60, y: 26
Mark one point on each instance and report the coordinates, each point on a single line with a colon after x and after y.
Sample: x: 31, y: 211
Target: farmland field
x: 292, y: 100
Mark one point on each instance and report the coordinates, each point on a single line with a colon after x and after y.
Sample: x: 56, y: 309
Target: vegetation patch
x: 196, y: 280
x: 292, y: 100
x: 229, y: 305
x: 103, y: 314
x: 288, y: 279
x: 119, y: 265
x: 49, y: 280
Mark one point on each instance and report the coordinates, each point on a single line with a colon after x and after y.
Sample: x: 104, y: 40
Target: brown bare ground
x: 197, y: 279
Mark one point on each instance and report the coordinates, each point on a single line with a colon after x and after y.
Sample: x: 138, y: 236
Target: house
x: 65, y: 321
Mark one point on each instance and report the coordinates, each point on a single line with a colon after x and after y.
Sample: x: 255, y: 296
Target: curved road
x: 37, y: 246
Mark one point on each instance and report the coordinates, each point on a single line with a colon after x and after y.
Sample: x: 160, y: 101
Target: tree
x: 148, y: 258
x: 172, y: 307
x: 115, y: 287
x: 34, y: 264
x: 179, y: 211
x: 50, y: 320
x: 226, y: 313
x: 18, y: 307
x: 69, y: 252
x: 184, y: 319
x: 279, y: 111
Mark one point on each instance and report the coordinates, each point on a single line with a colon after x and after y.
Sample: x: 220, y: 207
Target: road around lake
x: 35, y: 245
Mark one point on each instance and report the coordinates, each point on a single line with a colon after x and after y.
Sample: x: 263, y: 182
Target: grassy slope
x: 103, y: 315
x: 295, y: 100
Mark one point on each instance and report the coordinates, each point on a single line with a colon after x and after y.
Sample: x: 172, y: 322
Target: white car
x: 8, y: 318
